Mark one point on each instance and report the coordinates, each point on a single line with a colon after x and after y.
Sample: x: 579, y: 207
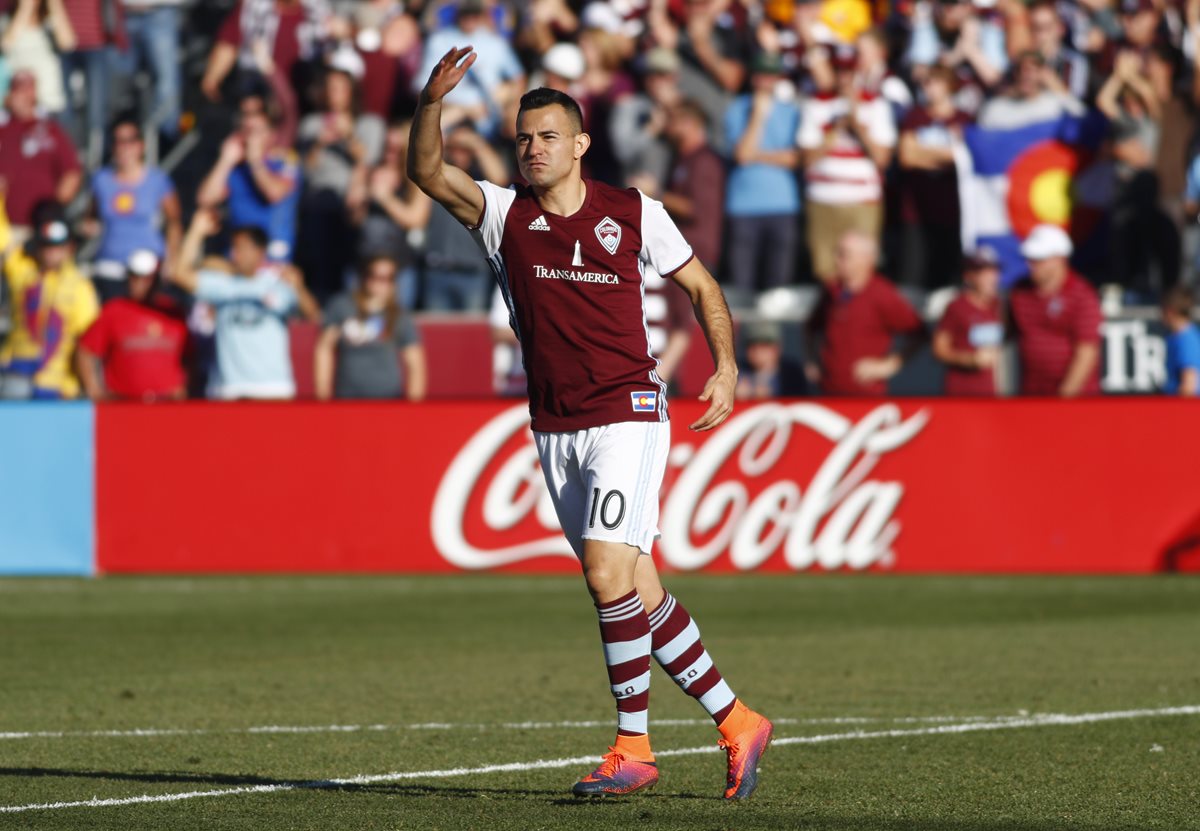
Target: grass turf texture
x: 477, y: 652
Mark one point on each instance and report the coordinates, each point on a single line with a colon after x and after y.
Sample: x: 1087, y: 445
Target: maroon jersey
x: 575, y: 294
x: 856, y: 326
x: 971, y: 327
x: 1049, y: 327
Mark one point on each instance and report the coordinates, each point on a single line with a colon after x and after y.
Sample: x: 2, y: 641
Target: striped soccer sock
x: 625, y: 633
x: 676, y: 645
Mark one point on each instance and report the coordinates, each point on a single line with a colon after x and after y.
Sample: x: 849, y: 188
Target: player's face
x: 548, y: 147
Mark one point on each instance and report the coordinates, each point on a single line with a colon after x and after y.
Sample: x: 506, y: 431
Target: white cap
x: 345, y: 59
x: 142, y: 263
x: 1046, y: 241
x: 565, y: 60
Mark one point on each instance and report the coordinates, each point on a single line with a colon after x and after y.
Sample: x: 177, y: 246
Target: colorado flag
x: 1010, y: 180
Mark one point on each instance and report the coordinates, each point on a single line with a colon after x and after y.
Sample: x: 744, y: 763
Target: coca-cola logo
x: 735, y: 493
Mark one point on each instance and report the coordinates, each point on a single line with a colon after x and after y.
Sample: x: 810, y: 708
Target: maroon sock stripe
x: 625, y: 634
x: 676, y: 645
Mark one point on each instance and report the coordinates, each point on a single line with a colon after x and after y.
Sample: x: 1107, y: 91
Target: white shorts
x: 605, y: 480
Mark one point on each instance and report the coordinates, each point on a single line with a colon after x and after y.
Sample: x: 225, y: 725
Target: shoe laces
x: 611, y: 764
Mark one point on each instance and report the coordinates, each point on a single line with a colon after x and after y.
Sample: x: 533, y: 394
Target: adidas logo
x: 539, y: 224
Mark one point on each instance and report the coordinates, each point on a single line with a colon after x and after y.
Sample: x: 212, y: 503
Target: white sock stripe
x: 617, y: 618
x: 634, y: 686
x: 717, y: 698
x: 678, y: 645
x: 662, y: 613
x: 631, y: 605
x: 638, y: 722
x: 619, y: 652
x: 693, y: 673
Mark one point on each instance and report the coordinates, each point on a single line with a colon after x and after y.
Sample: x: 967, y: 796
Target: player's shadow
x: 231, y: 779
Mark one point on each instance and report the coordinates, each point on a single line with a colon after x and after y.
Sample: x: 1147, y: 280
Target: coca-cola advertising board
x: 897, y: 486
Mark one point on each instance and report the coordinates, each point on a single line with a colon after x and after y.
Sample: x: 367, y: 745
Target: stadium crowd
x: 180, y: 180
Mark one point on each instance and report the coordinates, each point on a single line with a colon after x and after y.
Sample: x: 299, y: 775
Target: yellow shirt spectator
x: 49, y: 314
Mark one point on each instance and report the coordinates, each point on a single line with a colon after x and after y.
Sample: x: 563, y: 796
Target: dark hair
x: 541, y: 97
x: 128, y: 120
x: 393, y: 312
x: 255, y: 234
x: 1179, y: 299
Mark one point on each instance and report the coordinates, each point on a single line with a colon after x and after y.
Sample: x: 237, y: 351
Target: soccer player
x: 568, y: 254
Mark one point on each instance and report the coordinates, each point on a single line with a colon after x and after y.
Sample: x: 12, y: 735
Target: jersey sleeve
x: 951, y: 322
x: 490, y: 230
x: 217, y: 287
x: 899, y: 315
x: 663, y: 247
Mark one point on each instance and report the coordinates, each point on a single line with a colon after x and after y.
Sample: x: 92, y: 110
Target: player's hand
x: 448, y: 72
x: 719, y: 393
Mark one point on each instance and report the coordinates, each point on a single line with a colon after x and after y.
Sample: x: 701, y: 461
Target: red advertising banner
x: 904, y: 486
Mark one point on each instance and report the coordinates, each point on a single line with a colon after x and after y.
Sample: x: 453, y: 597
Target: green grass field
x: 435, y: 680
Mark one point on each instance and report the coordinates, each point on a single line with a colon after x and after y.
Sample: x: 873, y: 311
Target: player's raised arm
x: 427, y: 168
x: 713, y: 314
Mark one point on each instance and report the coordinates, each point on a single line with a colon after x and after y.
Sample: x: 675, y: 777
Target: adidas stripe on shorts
x: 605, y: 480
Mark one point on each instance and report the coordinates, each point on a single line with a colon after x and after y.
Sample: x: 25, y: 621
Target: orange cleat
x: 617, y: 775
x: 744, y: 752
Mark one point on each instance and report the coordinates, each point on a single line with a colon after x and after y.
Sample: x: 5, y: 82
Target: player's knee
x: 604, y: 581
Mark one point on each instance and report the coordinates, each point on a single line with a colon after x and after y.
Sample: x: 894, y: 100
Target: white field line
x: 1047, y: 720
x: 150, y: 732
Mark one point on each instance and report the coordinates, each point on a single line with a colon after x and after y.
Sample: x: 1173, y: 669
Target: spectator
x: 670, y: 322
x: 639, y: 120
x: 1049, y: 31
x: 339, y: 144
x: 52, y: 306
x: 766, y: 373
x: 496, y: 78
x: 508, y: 371
x: 762, y: 201
x: 544, y: 22
x: 1035, y: 95
x: 856, y: 322
x: 153, y: 28
x: 952, y: 33
x: 1141, y: 234
x: 138, y: 209
x: 1183, y: 343
x: 603, y: 85
x: 291, y: 32
x: 252, y: 300
x: 99, y: 26
x: 139, y: 340
x: 395, y: 209
x: 847, y: 137
x: 388, y: 39
x: 714, y: 39
x: 258, y: 179
x: 456, y: 275
x: 368, y: 335
x: 929, y: 209
x: 37, y: 159
x: 37, y: 31
x: 1056, y: 319
x: 697, y: 182
x: 969, y: 337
